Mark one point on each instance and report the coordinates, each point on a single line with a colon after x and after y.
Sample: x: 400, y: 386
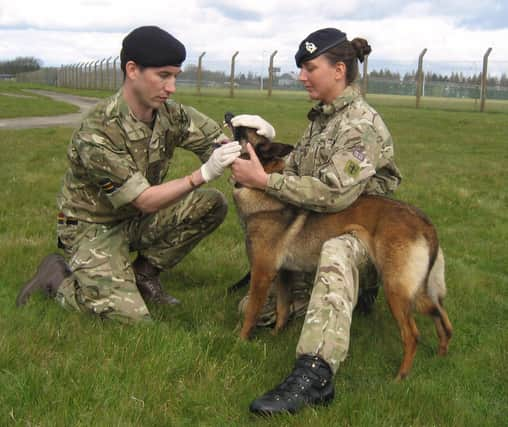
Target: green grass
x: 36, y: 105
x: 378, y: 100
x: 189, y: 368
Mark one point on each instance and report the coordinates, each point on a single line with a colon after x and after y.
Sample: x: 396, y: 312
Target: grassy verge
x: 189, y: 368
x: 14, y: 102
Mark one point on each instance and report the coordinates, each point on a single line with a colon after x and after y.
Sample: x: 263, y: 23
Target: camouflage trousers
x: 343, y: 264
x: 102, y: 280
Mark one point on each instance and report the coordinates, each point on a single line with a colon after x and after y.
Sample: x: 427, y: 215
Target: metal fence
x: 203, y: 73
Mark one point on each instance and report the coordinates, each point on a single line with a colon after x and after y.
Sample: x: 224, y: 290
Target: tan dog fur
x: 401, y: 242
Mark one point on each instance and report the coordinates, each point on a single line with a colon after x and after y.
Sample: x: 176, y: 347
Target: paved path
x: 84, y: 104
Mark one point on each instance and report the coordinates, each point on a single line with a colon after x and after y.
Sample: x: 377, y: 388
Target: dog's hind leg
x: 283, y: 301
x: 441, y: 321
x: 443, y: 328
x: 400, y: 306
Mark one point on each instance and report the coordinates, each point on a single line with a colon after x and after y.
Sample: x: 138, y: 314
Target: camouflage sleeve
x: 110, y: 166
x: 340, y: 180
x: 290, y: 168
x: 386, y: 180
x: 202, y: 132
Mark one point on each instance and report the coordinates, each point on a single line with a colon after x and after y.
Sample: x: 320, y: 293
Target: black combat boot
x: 367, y: 293
x: 310, y: 383
x: 148, y: 283
x: 50, y: 274
x: 366, y: 299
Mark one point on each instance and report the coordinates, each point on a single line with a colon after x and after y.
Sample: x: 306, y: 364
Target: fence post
x: 76, y: 68
x: 69, y: 75
x: 270, y: 73
x: 64, y: 79
x: 95, y: 74
x: 76, y: 75
x: 114, y: 72
x: 419, y: 81
x: 232, y: 77
x: 483, y: 90
x: 199, y: 71
x: 107, y: 72
x: 365, y: 80
x: 89, y: 75
x: 81, y: 84
x: 101, y: 73
x: 58, y: 76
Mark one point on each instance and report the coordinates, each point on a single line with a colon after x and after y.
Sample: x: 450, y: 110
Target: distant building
x: 288, y: 80
x: 7, y: 77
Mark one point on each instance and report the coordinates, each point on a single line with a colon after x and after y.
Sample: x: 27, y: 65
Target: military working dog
x: 400, y: 239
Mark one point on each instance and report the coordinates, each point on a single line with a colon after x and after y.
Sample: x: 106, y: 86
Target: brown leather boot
x: 148, y: 283
x: 50, y: 274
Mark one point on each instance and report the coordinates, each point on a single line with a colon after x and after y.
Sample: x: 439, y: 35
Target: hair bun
x: 361, y: 47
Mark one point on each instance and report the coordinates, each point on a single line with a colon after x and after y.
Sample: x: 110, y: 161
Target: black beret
x: 151, y: 46
x: 317, y: 43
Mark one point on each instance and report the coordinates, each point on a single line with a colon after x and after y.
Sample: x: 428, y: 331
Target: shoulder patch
x: 352, y: 168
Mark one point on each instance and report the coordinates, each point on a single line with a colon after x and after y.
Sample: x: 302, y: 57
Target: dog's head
x: 270, y: 154
x: 244, y: 134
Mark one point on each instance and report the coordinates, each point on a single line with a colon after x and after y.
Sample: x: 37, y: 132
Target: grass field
x: 378, y: 100
x: 14, y: 102
x: 190, y: 369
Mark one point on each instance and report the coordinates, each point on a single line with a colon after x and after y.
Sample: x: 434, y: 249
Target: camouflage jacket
x: 345, y: 151
x: 114, y: 157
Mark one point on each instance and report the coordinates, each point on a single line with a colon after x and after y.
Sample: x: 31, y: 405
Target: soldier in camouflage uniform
x: 114, y: 199
x: 345, y: 152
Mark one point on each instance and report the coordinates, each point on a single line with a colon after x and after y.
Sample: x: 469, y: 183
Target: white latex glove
x: 220, y: 159
x: 263, y: 127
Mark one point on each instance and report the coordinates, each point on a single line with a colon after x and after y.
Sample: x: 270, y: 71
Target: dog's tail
x: 436, y: 284
x: 244, y: 281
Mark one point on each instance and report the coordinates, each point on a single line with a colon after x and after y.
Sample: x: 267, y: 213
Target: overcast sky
x: 454, y: 31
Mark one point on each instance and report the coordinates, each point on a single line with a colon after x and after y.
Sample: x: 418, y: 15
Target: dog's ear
x: 272, y: 150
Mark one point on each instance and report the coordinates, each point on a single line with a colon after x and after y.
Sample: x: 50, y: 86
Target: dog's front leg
x: 261, y: 280
x: 284, y: 296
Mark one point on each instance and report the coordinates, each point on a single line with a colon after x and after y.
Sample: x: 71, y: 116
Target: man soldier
x: 113, y: 199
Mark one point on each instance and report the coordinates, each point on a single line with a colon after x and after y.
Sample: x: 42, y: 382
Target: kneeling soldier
x: 113, y: 199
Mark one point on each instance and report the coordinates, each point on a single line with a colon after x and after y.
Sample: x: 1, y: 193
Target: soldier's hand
x: 250, y: 172
x: 256, y: 122
x: 220, y: 159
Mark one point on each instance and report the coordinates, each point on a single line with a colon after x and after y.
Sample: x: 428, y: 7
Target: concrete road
x: 71, y: 120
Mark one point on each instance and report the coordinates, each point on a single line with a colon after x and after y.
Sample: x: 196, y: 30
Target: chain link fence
x: 419, y: 79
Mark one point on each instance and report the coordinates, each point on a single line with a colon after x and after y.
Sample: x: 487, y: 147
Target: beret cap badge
x: 310, y: 47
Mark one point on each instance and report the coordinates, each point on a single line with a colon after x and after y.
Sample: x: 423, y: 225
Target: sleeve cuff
x: 275, y: 183
x: 129, y: 191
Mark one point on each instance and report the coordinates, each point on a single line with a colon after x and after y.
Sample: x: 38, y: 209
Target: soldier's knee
x: 341, y: 243
x: 345, y: 250
x: 216, y: 204
x: 128, y: 317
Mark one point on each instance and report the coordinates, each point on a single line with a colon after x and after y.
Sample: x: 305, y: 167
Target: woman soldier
x: 346, y: 151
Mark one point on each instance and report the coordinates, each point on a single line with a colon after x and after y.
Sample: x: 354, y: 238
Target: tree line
x: 460, y: 78
x: 190, y: 73
x: 21, y: 64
